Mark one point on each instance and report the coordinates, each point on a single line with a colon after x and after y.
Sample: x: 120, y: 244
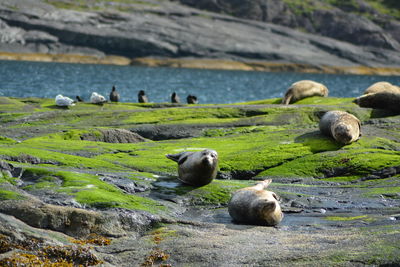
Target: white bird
x: 96, y: 98
x: 64, y: 101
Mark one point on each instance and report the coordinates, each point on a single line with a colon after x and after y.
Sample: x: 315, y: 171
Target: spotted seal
x: 303, y: 89
x: 344, y: 127
x: 196, y: 168
x: 381, y: 87
x: 254, y: 205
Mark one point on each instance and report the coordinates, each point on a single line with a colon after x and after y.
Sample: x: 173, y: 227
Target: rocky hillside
x: 333, y: 33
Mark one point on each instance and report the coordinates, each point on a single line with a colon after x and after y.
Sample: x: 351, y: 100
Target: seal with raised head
x: 382, y: 100
x: 254, y: 205
x: 196, y: 168
x: 114, y: 95
x: 344, y: 127
x: 303, y: 89
x: 381, y: 87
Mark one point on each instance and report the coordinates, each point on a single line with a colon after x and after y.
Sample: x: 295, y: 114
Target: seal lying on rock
x: 303, y: 89
x: 382, y: 100
x: 381, y: 87
x: 196, y: 168
x: 254, y: 205
x: 342, y: 126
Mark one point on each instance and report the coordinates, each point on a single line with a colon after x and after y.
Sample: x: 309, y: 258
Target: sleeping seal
x: 254, y: 205
x: 303, y: 89
x: 381, y: 87
x: 342, y: 126
x: 196, y: 168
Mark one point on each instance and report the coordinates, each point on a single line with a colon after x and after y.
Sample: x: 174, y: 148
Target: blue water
x: 25, y: 79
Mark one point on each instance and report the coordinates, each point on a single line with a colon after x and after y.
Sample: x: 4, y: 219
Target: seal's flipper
x: 263, y: 184
x: 177, y: 157
x: 174, y: 157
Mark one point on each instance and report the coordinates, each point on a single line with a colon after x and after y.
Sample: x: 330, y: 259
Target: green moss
x: 7, y: 195
x: 6, y: 140
x: 353, y: 163
x: 88, y: 189
x: 342, y: 218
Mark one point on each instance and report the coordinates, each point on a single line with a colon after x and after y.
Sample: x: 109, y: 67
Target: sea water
x: 39, y: 79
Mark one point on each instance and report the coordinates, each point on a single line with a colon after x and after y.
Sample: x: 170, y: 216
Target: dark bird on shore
x: 79, y: 99
x: 142, y: 98
x: 114, y: 95
x: 175, y: 98
x: 192, y: 99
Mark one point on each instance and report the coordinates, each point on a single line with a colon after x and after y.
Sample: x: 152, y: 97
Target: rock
x: 170, y: 29
x: 76, y: 222
x: 113, y: 136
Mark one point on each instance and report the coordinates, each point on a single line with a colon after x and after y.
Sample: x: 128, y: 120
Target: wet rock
x: 9, y: 170
x: 383, y: 173
x: 125, y: 184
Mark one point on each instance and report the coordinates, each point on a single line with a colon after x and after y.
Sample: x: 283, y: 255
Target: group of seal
x: 251, y: 205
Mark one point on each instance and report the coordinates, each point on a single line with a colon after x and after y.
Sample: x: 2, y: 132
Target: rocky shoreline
x: 214, y: 64
x: 76, y: 188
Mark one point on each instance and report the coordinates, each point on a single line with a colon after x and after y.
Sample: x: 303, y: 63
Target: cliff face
x: 327, y: 36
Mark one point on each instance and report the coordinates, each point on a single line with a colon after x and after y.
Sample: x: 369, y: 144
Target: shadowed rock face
x: 169, y: 29
x: 355, y: 22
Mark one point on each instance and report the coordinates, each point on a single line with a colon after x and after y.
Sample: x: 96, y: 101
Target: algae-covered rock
x: 85, y: 170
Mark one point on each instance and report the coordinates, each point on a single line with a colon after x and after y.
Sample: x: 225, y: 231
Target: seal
x: 381, y: 87
x: 196, y: 168
x: 142, y: 97
x: 114, y: 95
x: 192, y: 99
x: 254, y: 205
x: 382, y: 100
x: 303, y: 89
x: 345, y: 128
x: 175, y: 98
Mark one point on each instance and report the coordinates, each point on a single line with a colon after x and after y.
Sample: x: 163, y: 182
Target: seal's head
x: 343, y: 133
x: 267, y: 209
x: 209, y: 157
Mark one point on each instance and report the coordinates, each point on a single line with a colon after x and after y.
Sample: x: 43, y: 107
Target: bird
x: 175, y: 98
x: 64, y: 101
x: 79, y: 99
x: 96, y: 98
x: 192, y: 99
x: 114, y: 95
x: 142, y: 98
